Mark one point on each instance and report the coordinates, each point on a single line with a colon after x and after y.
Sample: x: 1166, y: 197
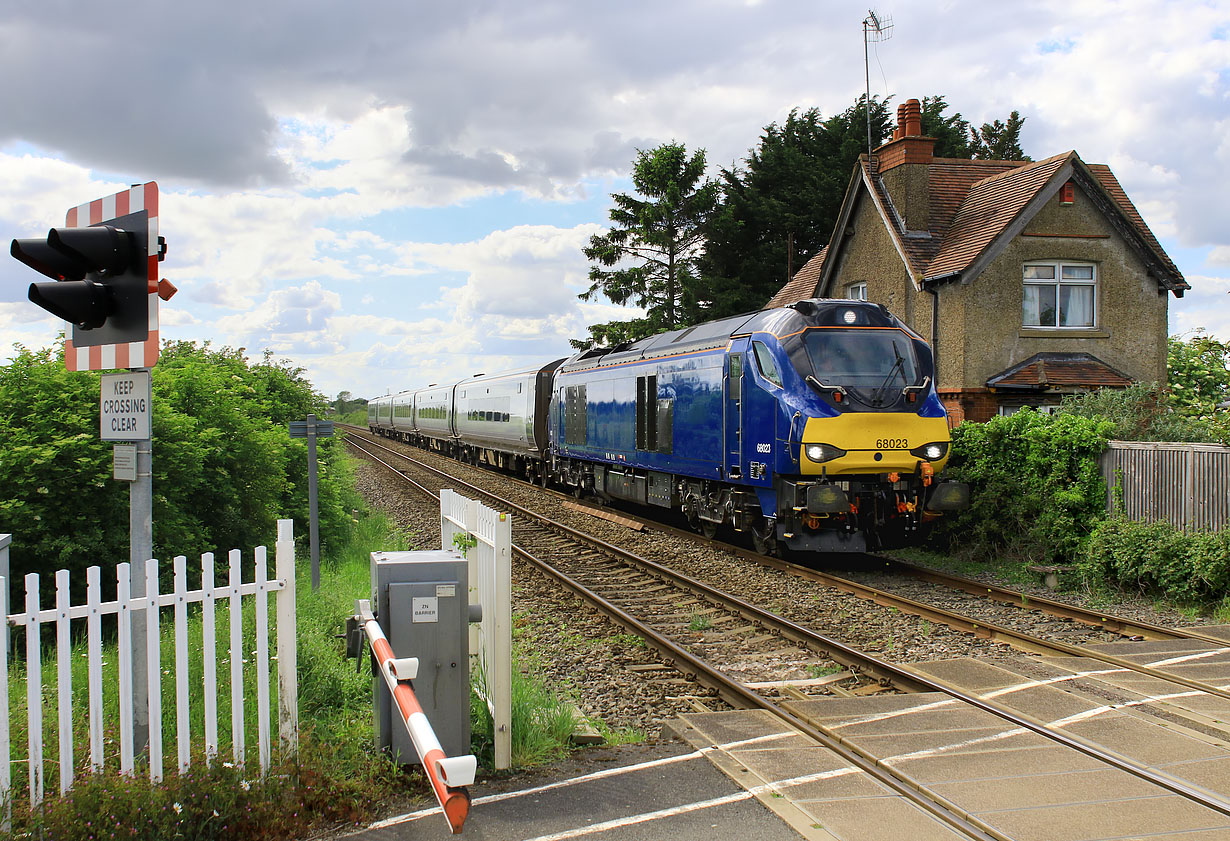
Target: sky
x: 390, y: 192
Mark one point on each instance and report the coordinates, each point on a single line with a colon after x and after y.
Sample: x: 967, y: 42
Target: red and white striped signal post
x: 104, y: 268
x: 139, y: 207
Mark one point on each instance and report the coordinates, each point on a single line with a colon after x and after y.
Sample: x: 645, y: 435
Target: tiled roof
x: 1111, y: 184
x: 1044, y: 371
x: 988, y: 207
x: 971, y: 204
x: 802, y: 285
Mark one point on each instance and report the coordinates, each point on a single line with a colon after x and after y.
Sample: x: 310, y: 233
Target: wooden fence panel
x: 1187, y: 485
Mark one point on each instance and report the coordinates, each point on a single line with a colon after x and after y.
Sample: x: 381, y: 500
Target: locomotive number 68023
x: 892, y: 444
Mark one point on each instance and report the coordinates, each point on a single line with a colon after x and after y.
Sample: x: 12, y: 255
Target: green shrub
x: 1140, y: 412
x: 225, y: 468
x: 1035, y: 487
x: 1158, y: 559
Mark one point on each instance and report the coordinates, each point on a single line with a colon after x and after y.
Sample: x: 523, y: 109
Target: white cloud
x: 1206, y: 306
x: 290, y: 149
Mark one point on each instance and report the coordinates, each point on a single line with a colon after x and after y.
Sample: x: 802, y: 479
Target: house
x: 1031, y: 279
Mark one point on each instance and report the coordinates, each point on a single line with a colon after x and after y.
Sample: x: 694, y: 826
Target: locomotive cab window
x: 766, y: 365
x: 861, y: 358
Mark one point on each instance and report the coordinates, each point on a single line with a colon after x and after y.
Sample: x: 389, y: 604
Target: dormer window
x: 1059, y: 295
x: 857, y: 291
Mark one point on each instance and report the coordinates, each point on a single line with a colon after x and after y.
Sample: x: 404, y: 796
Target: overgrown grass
x: 542, y: 722
x: 1007, y: 569
x: 337, y: 778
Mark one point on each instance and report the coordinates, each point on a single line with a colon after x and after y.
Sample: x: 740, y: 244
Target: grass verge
x: 337, y: 778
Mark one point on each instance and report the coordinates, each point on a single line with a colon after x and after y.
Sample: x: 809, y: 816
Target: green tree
x: 649, y: 256
x: 779, y: 209
x: 999, y: 141
x: 1198, y: 371
x: 951, y: 132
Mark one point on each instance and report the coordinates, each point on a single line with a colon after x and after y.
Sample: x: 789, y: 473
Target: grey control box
x: 421, y: 603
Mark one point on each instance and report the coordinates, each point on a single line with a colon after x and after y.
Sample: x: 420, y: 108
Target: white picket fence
x: 151, y: 605
x: 490, y: 567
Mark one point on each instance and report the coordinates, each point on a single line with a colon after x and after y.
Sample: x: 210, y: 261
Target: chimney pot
x: 913, y: 118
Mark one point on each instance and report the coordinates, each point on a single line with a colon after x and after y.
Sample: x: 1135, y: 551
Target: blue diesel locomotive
x: 814, y: 427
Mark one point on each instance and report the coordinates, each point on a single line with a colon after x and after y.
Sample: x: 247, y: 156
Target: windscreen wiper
x: 898, y: 366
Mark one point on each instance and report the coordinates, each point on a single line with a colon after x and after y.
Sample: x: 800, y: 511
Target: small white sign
x: 124, y: 406
x: 425, y: 609
x: 444, y: 591
x: 124, y: 462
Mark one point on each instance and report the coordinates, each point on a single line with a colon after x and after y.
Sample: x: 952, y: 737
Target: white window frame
x: 857, y: 291
x: 1044, y: 409
x: 1057, y: 282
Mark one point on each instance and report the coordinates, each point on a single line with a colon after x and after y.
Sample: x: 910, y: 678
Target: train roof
x: 779, y: 321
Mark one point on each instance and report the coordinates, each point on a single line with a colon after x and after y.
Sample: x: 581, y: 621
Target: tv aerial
x: 876, y: 27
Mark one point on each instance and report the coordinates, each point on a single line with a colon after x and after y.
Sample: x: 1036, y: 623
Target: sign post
x: 124, y: 414
x: 310, y: 429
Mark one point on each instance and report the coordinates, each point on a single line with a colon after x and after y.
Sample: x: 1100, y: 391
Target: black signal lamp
x: 101, y: 278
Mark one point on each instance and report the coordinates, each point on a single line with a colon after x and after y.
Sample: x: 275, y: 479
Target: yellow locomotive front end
x: 870, y: 436
x: 864, y: 443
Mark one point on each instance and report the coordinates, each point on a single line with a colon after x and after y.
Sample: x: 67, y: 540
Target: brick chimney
x: 908, y: 146
x: 904, y: 164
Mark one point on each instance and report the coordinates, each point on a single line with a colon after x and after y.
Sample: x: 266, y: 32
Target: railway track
x: 673, y: 612
x: 987, y: 611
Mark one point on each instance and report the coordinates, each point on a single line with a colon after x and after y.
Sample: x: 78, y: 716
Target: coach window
x: 766, y: 365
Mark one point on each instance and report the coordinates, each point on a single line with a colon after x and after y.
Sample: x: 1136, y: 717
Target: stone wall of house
x: 985, y: 315
x: 871, y: 256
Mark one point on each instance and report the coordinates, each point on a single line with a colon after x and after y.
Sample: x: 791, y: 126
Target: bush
x: 1035, y: 487
x: 1140, y: 412
x: 225, y: 468
x: 1158, y: 559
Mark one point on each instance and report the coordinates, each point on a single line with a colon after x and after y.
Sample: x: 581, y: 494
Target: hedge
x: 1035, y: 488
x: 1156, y: 558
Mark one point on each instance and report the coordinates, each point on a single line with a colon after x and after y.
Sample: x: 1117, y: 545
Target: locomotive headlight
x: 931, y: 452
x: 824, y: 452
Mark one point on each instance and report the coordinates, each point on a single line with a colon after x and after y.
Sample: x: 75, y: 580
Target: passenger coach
x: 814, y: 427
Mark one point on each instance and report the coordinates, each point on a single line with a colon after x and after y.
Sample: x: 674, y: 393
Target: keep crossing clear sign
x: 124, y: 406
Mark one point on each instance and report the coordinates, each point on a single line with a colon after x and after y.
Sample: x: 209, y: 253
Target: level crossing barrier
x: 148, y: 608
x: 487, y: 536
x: 449, y: 775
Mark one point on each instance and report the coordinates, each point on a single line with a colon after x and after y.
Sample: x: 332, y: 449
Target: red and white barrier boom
x: 448, y: 775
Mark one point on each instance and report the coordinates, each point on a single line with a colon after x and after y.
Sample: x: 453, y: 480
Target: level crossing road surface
x: 663, y: 792
x: 746, y: 775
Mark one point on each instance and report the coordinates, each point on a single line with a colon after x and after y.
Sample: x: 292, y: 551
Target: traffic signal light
x: 101, y: 278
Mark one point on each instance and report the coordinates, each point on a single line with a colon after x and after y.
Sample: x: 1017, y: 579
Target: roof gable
x: 803, y: 284
x: 975, y: 209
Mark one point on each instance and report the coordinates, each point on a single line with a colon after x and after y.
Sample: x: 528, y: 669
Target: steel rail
x: 907, y: 675
x: 729, y: 689
x: 994, y: 592
x: 980, y: 628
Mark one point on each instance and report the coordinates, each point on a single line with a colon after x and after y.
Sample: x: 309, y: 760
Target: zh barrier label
x: 124, y: 407
x: 425, y: 609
